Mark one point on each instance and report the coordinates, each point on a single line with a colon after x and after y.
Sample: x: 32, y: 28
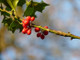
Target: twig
x: 59, y: 32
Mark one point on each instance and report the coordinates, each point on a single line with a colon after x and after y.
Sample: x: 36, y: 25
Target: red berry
x: 32, y: 18
x: 37, y: 29
x: 23, y: 20
x: 29, y: 31
x: 28, y: 18
x: 25, y: 26
x: 24, y: 30
x: 26, y: 22
x: 38, y: 34
x: 45, y: 32
x: 42, y: 36
x: 46, y: 27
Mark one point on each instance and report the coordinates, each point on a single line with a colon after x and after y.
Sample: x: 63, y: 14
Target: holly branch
x: 14, y: 22
x: 52, y: 31
x: 59, y: 32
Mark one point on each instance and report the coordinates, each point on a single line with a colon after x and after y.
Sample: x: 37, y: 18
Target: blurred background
x: 63, y: 15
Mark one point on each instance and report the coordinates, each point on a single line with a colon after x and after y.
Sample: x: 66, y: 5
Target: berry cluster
x: 27, y: 28
x: 26, y: 25
x: 42, y: 33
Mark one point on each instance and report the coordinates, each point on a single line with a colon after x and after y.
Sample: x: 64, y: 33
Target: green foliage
x: 15, y: 25
x: 14, y: 22
x: 21, y: 2
x: 39, y: 6
x: 30, y: 11
x: 7, y: 21
x: 32, y: 7
x: 4, y: 13
x: 8, y: 9
x: 10, y: 3
x: 13, y: 3
x: 5, y: 3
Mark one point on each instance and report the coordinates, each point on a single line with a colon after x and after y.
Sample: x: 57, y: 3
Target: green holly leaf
x: 13, y: 3
x: 32, y: 7
x: 21, y: 2
x: 15, y: 25
x: 12, y: 24
x: 39, y: 6
x: 29, y: 11
x: 7, y: 21
x: 8, y: 9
